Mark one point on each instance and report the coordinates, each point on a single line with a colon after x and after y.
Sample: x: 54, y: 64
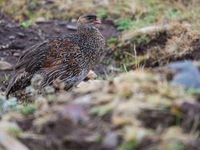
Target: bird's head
x: 88, y: 23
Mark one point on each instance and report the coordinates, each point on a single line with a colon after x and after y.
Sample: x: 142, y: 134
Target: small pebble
x: 12, y: 37
x: 110, y: 141
x: 16, y: 54
x: 91, y: 75
x: 20, y: 34
x: 4, y: 65
x: 71, y: 27
x: 40, y: 19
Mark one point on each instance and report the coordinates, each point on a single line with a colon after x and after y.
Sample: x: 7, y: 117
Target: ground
x: 131, y: 103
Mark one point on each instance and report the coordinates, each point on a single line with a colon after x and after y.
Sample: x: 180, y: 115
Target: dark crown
x: 91, y: 17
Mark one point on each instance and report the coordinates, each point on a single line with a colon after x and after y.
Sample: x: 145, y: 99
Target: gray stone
x: 186, y: 74
x: 4, y: 65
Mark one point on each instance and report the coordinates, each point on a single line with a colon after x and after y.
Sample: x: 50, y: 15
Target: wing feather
x: 58, y: 58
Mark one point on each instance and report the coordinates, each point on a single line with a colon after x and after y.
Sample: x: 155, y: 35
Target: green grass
x: 112, y: 42
x: 154, y: 11
x: 173, y: 13
x: 138, y: 21
x: 101, y: 14
x: 124, y: 23
x: 4, y: 78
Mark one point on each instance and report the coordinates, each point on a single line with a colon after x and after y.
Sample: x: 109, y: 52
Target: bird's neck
x: 92, y: 42
x: 88, y: 31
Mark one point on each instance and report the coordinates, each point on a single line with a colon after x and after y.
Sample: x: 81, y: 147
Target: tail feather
x: 19, y: 81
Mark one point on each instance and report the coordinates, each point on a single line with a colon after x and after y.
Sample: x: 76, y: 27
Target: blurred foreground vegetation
x: 135, y: 107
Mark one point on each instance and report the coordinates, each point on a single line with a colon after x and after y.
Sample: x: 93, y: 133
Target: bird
x: 67, y: 58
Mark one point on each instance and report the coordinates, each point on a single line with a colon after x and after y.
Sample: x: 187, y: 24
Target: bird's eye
x: 91, y: 17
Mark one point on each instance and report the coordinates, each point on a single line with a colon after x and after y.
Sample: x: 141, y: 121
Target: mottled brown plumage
x: 68, y: 58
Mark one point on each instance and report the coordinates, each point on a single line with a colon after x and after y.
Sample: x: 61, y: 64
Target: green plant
x: 130, y: 145
x: 192, y: 91
x: 26, y: 24
x: 112, y: 42
x: 5, y: 77
x: 178, y: 121
x: 176, y: 146
x: 14, y: 131
x: 29, y: 109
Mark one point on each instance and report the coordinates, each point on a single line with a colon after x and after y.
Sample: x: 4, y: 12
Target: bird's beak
x: 97, y: 21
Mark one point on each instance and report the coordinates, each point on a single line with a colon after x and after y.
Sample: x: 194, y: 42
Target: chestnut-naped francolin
x: 68, y: 58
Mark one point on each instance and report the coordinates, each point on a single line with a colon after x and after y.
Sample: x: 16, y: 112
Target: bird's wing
x: 33, y: 57
x: 52, y: 54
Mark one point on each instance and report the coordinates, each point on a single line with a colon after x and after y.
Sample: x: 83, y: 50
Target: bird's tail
x: 18, y: 82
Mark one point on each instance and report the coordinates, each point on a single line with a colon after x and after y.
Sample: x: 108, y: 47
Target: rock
x: 16, y: 54
x: 89, y: 86
x: 186, y: 74
x: 7, y: 141
x: 71, y: 27
x: 40, y: 19
x: 20, y: 34
x: 4, y: 65
x: 12, y: 37
x: 110, y: 141
x: 91, y: 75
